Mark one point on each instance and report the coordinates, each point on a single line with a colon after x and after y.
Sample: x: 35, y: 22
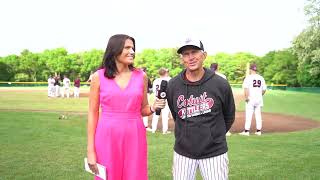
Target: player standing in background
x: 76, y: 90
x: 50, y: 86
x: 66, y: 86
x: 215, y: 68
x: 57, y: 86
x: 254, y: 88
x: 164, y: 75
x: 146, y: 118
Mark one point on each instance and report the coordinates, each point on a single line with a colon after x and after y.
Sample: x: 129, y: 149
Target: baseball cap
x: 253, y: 67
x: 190, y: 42
x: 214, y: 66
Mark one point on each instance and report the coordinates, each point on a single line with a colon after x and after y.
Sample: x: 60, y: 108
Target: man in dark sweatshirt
x: 203, y: 109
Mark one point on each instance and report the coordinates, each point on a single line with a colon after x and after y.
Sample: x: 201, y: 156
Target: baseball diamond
x: 272, y: 122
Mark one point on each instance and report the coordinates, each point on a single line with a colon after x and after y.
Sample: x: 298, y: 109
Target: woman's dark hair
x: 114, y: 48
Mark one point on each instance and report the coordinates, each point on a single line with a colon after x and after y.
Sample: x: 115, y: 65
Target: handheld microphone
x: 162, y: 93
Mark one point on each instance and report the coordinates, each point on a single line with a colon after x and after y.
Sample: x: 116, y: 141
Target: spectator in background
x: 76, y: 90
x: 215, y: 68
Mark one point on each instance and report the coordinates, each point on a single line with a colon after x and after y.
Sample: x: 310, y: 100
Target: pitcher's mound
x: 272, y: 122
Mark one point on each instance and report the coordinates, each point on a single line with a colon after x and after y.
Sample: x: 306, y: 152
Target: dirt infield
x: 272, y: 122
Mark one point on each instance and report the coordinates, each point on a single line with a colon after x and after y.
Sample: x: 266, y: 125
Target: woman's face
x: 127, y: 55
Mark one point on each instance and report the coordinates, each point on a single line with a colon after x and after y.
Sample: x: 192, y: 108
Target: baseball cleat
x: 228, y: 133
x: 244, y: 133
x: 258, y: 133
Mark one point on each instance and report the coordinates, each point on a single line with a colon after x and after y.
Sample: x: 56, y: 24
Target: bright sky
x: 256, y: 26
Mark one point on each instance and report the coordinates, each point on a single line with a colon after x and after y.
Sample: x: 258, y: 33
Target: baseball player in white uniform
x: 66, y: 86
x: 164, y: 75
x: 254, y: 88
x: 215, y: 68
x: 57, y: 86
x: 51, y: 88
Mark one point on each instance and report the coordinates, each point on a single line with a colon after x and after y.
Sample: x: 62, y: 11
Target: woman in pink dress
x: 117, y: 102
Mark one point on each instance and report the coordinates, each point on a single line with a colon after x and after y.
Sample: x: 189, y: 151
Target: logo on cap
x: 188, y: 40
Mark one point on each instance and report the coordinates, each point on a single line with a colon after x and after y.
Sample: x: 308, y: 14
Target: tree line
x: 298, y: 65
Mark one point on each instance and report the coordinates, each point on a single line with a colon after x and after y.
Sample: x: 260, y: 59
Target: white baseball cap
x: 190, y: 42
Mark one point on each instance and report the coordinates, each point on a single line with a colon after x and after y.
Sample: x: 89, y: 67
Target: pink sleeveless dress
x: 120, y: 139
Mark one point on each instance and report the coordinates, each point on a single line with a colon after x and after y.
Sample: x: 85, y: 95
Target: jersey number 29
x: 256, y: 83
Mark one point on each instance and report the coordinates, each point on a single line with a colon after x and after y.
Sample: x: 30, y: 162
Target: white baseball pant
x: 51, y: 91
x: 76, y: 92
x: 214, y: 168
x: 253, y: 107
x: 65, y: 90
x: 57, y: 91
x: 165, y: 118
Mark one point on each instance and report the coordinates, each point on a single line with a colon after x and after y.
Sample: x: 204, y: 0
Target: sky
x: 230, y: 26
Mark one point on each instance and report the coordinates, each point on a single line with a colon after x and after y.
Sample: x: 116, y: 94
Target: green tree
x: 234, y: 65
x: 30, y: 64
x: 307, y: 47
x: 153, y: 60
x: 56, y: 60
x: 12, y: 61
x: 89, y: 61
x: 279, y: 67
x: 5, y: 71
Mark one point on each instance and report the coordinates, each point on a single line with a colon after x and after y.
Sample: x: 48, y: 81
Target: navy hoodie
x: 203, y: 112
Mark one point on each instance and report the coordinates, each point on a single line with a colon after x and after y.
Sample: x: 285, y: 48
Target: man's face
x: 193, y: 58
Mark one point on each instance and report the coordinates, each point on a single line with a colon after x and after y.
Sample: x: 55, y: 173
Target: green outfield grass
x: 40, y: 101
x: 291, y: 103
x: 39, y: 145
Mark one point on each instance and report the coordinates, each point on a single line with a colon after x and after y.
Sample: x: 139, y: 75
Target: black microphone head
x: 162, y: 93
x: 163, y: 85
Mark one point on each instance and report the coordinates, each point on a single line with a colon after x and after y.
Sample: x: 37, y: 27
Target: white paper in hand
x: 102, y: 170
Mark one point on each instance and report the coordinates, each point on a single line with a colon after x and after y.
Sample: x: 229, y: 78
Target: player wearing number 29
x: 254, y: 88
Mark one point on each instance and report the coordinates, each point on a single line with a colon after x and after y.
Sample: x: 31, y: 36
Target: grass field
x: 291, y: 103
x: 39, y: 145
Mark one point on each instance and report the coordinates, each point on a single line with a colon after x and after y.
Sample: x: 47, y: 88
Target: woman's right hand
x: 159, y: 104
x: 92, y: 162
